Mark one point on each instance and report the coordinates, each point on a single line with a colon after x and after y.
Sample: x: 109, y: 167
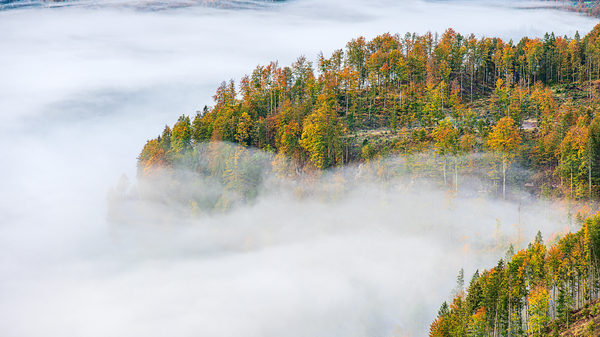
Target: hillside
x: 510, y: 116
x: 584, y: 322
x: 543, y: 290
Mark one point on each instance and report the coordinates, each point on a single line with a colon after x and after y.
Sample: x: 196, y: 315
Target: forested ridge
x: 533, y: 103
x: 590, y: 7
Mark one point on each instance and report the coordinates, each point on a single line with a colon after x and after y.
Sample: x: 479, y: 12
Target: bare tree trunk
x: 442, y: 109
x: 370, y: 104
x: 571, y: 180
x: 444, y: 168
x: 461, y: 82
x: 496, y: 320
x: 346, y: 102
x: 504, y: 179
x: 590, y: 174
x: 509, y: 316
x: 456, y: 174
x: 384, y: 96
x: 553, y: 302
x: 471, y: 85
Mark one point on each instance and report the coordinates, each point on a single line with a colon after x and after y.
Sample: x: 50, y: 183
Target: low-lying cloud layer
x: 83, y: 88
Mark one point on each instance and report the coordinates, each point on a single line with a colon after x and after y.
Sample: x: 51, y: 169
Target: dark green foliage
x: 444, y: 310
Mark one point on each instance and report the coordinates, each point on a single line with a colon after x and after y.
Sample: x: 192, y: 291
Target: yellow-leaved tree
x: 504, y: 140
x: 321, y: 137
x: 538, y: 309
x: 446, y: 143
x: 244, y: 127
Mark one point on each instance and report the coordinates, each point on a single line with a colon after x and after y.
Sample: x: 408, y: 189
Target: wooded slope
x: 534, y: 103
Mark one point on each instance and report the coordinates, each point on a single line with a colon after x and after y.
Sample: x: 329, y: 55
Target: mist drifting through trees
x: 83, y: 88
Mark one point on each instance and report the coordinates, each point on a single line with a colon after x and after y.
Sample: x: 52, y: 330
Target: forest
x: 454, y: 104
x: 588, y: 7
x: 530, y: 292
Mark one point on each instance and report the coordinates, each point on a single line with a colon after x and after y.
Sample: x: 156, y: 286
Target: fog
x: 84, y: 85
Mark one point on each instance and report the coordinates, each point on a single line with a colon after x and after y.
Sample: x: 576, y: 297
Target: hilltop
x: 451, y: 105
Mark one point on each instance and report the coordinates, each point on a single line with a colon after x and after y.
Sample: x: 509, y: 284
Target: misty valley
x: 300, y: 168
x: 380, y: 116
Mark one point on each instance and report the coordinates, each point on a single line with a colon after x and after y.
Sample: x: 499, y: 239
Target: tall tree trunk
x: 346, y: 102
x: 384, y: 97
x: 456, y: 174
x: 444, y: 168
x: 590, y: 174
x: 371, y: 104
x: 571, y: 180
x: 472, y: 73
x: 553, y: 302
x: 461, y: 82
x: 442, y: 109
x: 509, y: 315
x: 504, y: 178
x: 496, y: 319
